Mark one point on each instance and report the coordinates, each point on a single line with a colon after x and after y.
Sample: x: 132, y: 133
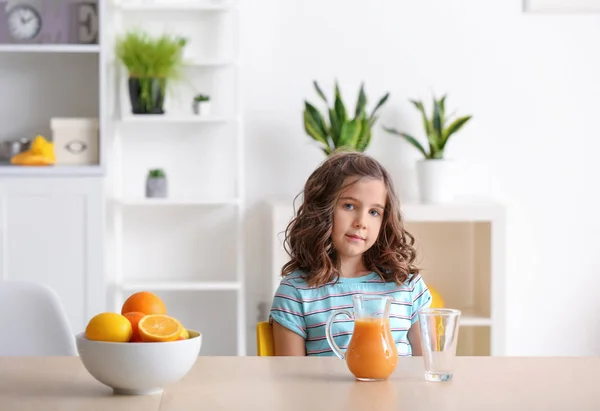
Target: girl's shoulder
x: 410, y: 282
x: 296, y: 277
x: 413, y: 279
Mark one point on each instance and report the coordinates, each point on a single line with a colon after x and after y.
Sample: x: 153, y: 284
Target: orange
x: 159, y: 328
x: 144, y: 302
x: 134, y: 318
x: 110, y: 327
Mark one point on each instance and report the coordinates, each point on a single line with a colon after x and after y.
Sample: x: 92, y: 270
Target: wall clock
x: 24, y: 22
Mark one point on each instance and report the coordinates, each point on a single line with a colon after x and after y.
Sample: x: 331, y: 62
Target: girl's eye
x: 349, y: 206
x: 374, y: 213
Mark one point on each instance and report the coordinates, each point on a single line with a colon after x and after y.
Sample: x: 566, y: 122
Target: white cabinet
x: 51, y: 232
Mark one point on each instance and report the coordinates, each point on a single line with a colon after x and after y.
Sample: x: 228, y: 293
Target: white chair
x: 33, y: 321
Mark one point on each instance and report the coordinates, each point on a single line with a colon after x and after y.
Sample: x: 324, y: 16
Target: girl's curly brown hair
x: 308, y: 235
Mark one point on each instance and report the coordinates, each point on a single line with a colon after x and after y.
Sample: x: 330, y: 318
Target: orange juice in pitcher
x: 372, y: 354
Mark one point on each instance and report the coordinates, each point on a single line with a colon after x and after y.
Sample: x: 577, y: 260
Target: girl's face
x: 358, y: 216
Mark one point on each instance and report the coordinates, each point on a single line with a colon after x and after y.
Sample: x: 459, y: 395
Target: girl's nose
x: 358, y: 224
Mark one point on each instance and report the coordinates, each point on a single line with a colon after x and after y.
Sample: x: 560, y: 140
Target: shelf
x: 453, y: 212
x: 471, y: 320
x: 66, y: 171
x: 181, y: 285
x: 49, y: 48
x: 209, y: 62
x: 175, y: 6
x: 165, y: 118
x: 170, y: 202
x: 214, y: 62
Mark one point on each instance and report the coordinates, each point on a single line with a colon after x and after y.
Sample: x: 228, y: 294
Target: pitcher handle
x: 336, y: 350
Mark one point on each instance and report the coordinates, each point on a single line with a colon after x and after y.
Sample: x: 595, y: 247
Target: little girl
x: 346, y: 238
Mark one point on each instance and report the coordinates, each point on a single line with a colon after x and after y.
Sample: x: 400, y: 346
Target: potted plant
x: 156, y: 184
x: 342, y: 130
x: 151, y: 62
x: 433, y: 171
x: 201, y: 104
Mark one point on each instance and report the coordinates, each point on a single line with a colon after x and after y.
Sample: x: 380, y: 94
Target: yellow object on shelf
x: 40, y: 153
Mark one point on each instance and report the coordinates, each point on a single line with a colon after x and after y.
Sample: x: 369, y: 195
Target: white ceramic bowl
x: 139, y: 368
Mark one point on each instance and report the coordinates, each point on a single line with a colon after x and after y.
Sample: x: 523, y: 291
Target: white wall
x: 531, y: 82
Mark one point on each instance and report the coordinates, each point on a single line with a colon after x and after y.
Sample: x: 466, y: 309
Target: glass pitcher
x: 372, y: 354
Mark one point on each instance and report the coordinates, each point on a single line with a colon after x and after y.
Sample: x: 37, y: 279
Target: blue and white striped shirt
x: 305, y: 310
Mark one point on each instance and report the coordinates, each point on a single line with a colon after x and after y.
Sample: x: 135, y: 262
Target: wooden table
x: 307, y: 384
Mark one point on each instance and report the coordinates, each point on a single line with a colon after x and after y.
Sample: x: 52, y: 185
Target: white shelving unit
x: 38, y: 82
x: 169, y: 202
x: 183, y: 285
x: 44, y: 70
x: 462, y: 255
x: 179, y: 119
x: 179, y: 6
x: 49, y: 48
x: 201, y: 187
x: 54, y: 171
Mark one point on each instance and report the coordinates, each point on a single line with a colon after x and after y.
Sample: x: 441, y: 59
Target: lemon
x: 184, y: 334
x: 110, y: 327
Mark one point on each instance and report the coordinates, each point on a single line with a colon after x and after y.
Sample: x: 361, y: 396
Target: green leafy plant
x: 438, y: 129
x: 201, y: 97
x: 342, y: 130
x: 149, y: 58
x: 156, y: 173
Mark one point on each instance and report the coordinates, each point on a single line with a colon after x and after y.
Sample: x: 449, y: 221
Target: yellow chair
x: 436, y: 299
x: 264, y: 339
x: 264, y: 330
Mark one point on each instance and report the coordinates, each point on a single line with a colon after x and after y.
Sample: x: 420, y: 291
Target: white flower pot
x: 202, y: 108
x: 436, y: 180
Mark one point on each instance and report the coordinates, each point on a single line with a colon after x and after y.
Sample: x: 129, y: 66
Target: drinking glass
x: 439, y: 335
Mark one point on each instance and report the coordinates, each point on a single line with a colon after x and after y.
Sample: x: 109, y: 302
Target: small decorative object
x: 85, y: 23
x: 433, y: 172
x: 24, y: 22
x: 76, y: 140
x: 201, y: 105
x: 10, y: 148
x: 40, y: 153
x: 156, y: 184
x: 151, y: 63
x: 342, y: 131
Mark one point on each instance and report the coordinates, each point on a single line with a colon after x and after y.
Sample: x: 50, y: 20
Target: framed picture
x: 562, y: 6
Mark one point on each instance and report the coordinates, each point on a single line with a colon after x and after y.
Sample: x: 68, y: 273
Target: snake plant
x: 438, y: 129
x: 342, y: 130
